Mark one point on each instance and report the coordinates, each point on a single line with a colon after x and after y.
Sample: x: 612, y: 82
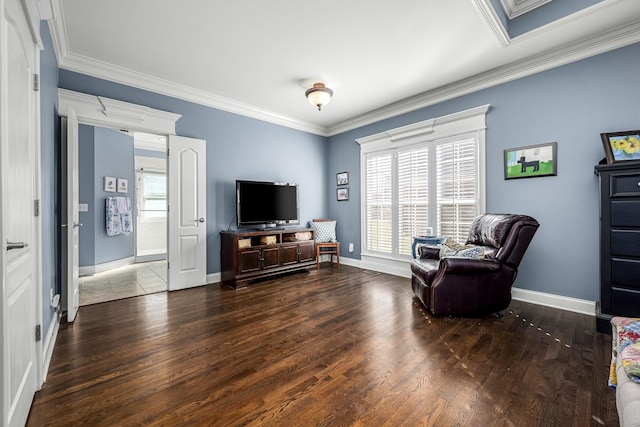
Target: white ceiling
x: 381, y: 58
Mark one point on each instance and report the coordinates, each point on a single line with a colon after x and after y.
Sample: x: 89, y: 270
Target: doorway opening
x: 150, y: 228
x: 136, y: 263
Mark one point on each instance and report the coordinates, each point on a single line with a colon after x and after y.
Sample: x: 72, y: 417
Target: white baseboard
x: 555, y: 301
x: 149, y: 258
x: 99, y: 268
x: 401, y: 269
x: 49, y: 343
x: 214, y: 278
x: 534, y: 297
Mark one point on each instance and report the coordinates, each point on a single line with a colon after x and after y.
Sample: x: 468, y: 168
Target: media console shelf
x: 248, y: 255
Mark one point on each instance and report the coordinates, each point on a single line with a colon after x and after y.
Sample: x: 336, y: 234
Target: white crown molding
x: 616, y: 38
x: 502, y: 34
x: 515, y: 8
x: 457, y: 123
x: 596, y: 45
x: 101, y: 111
x: 493, y: 21
x: 45, y: 9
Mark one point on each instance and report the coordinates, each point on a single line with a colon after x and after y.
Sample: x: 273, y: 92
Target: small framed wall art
x: 342, y: 178
x: 621, y: 146
x: 109, y: 184
x: 343, y: 194
x: 123, y: 185
x: 531, y: 161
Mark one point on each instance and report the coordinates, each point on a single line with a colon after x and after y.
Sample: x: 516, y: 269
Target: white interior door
x: 186, y: 200
x: 73, y: 217
x: 19, y: 124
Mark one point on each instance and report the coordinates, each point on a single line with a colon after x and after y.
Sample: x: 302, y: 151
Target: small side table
x: 425, y: 240
x: 327, y: 248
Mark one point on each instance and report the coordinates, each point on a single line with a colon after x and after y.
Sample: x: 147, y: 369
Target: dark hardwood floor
x: 325, y: 348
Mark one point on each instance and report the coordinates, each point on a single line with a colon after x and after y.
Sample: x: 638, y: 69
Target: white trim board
x: 99, y: 268
x: 49, y: 343
x: 533, y: 297
x: 107, y: 112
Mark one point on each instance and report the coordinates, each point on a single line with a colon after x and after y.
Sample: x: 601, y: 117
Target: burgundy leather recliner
x: 469, y: 286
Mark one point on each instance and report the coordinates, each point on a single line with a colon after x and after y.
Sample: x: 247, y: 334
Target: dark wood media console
x: 248, y: 255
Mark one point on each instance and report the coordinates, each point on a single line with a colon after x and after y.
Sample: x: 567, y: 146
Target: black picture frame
x: 531, y: 161
x: 342, y: 178
x: 621, y: 146
x: 342, y: 194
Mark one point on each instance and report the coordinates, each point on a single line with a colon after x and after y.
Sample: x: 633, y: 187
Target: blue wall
x: 113, y: 157
x: 102, y: 152
x: 572, y: 105
x: 50, y: 175
x: 237, y: 148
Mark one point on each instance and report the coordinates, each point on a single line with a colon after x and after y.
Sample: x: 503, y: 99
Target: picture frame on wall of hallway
x: 110, y: 184
x: 531, y: 161
x: 123, y: 185
x: 621, y: 146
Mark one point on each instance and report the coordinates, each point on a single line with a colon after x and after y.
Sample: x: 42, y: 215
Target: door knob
x: 16, y: 245
x: 77, y: 224
x: 200, y: 220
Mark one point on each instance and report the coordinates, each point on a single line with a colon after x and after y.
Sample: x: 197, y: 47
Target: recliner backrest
x: 509, y: 234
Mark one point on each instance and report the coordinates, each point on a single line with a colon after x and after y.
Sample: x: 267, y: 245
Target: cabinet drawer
x: 625, y: 243
x: 625, y: 302
x: 625, y: 272
x: 625, y: 213
x: 625, y: 185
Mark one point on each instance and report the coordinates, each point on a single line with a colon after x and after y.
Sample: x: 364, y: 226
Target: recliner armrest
x: 468, y: 266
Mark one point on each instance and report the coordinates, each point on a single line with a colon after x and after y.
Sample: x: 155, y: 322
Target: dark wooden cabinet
x: 248, y: 255
x: 619, y: 242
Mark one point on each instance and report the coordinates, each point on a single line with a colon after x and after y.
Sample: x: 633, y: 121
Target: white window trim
x: 460, y: 123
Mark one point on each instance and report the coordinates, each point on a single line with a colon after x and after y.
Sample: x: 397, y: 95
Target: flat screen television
x: 266, y: 204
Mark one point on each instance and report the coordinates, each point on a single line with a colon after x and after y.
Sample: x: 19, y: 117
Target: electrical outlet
x: 350, y: 247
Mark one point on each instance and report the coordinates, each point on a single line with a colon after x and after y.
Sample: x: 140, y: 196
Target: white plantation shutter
x: 413, y: 195
x: 378, y: 202
x: 426, y: 176
x: 457, y: 179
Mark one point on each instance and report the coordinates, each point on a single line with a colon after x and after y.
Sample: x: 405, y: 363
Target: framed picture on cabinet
x: 531, y: 161
x: 621, y: 146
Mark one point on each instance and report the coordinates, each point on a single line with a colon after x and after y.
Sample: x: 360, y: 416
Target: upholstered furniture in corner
x: 624, y: 374
x: 469, y: 286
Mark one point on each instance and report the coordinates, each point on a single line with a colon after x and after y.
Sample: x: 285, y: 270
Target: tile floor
x: 124, y: 282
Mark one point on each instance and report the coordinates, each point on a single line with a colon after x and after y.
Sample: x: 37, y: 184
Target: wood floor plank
x: 324, y: 348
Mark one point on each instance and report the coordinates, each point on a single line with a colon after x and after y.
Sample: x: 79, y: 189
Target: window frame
x: 445, y: 129
x: 142, y: 197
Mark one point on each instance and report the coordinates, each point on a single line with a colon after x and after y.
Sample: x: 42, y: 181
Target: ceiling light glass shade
x: 319, y: 95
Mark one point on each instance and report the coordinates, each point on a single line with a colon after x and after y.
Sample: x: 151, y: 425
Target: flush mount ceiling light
x: 319, y: 95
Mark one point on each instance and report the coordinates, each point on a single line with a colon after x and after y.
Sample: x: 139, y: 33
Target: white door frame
x: 110, y: 113
x: 33, y: 20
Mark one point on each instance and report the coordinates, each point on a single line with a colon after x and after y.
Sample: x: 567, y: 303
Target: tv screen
x: 266, y: 204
